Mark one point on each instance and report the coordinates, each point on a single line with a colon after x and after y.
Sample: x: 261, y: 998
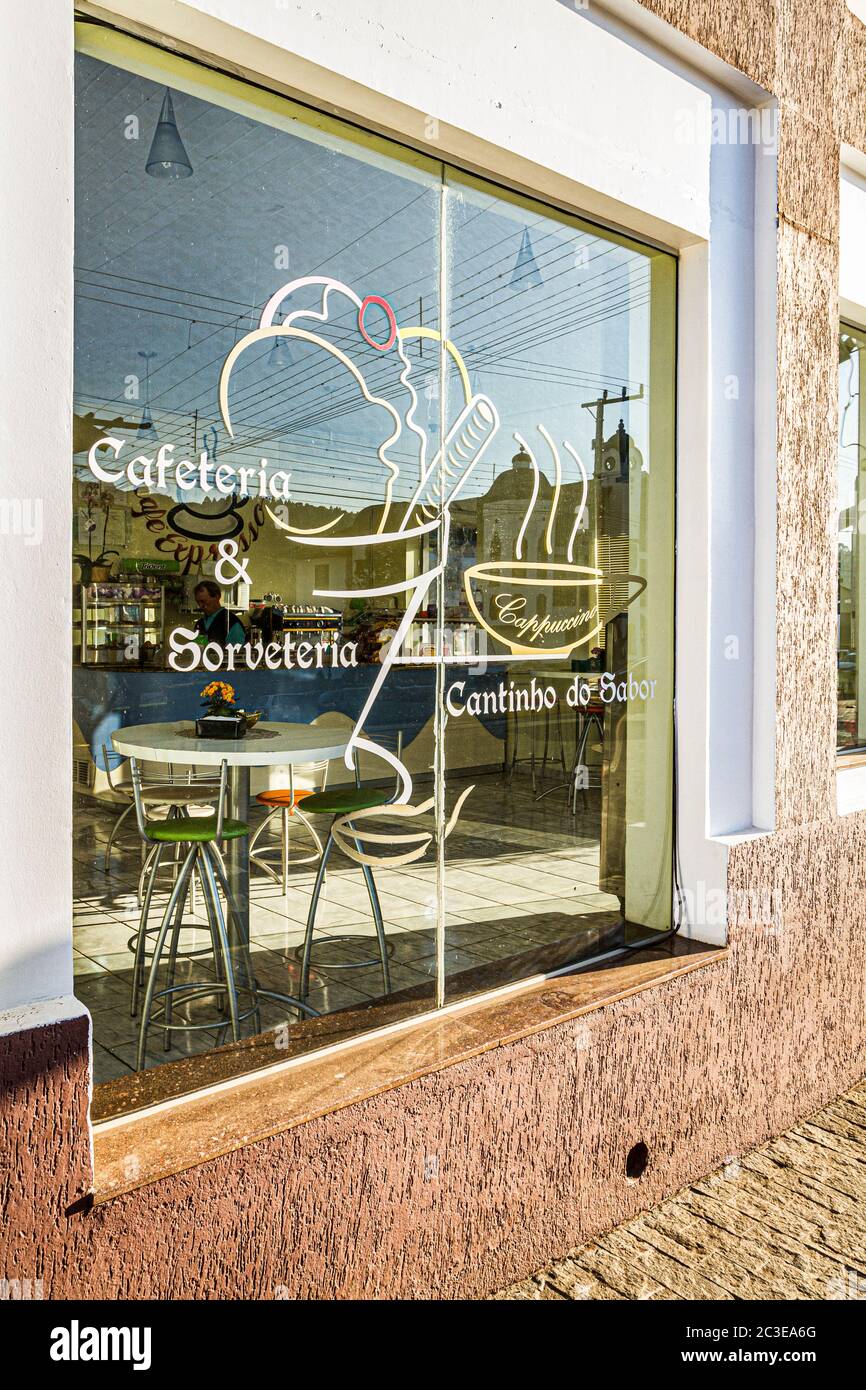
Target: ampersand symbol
x: 228, y: 552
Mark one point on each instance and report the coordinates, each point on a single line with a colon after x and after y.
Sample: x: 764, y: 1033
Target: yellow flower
x: 219, y: 689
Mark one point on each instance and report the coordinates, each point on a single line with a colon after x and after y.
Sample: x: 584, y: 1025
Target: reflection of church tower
x: 502, y: 511
x: 617, y: 473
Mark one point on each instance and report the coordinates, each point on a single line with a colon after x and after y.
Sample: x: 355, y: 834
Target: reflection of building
x: 500, y: 513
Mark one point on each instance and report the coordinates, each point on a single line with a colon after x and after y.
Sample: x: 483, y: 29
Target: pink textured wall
x: 531, y: 1138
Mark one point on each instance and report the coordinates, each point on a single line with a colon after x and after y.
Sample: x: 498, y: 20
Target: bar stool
x: 200, y: 837
x: 180, y: 790
x: 285, y: 803
x: 591, y: 715
x: 342, y: 801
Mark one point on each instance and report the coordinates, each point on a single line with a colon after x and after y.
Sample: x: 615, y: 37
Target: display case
x: 121, y: 622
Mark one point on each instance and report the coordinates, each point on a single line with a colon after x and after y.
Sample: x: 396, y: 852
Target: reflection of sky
x: 848, y: 467
x: 182, y: 268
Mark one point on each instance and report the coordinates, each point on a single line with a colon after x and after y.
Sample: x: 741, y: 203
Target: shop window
x: 851, y: 720
x: 382, y: 456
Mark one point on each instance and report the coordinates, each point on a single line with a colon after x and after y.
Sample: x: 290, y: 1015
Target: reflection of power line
x: 344, y: 406
x: 253, y: 394
x: 465, y: 278
x: 513, y: 322
x: 331, y: 256
x: 530, y: 315
x: 550, y: 326
x: 324, y: 416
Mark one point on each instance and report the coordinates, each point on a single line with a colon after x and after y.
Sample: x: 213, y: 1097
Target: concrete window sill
x: 180, y: 1133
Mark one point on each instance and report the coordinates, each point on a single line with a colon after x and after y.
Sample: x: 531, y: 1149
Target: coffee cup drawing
x: 546, y: 607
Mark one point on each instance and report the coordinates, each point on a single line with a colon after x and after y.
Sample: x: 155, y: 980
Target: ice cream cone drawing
x: 439, y: 480
x: 549, y: 605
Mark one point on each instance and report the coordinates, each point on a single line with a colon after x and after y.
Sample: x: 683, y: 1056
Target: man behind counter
x: 216, y: 623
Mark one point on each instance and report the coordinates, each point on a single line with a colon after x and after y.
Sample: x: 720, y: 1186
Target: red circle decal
x: 383, y: 304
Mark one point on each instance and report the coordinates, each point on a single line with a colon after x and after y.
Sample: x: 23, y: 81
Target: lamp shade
x: 168, y: 158
x: 526, y: 274
x: 146, y: 428
x: 280, y: 355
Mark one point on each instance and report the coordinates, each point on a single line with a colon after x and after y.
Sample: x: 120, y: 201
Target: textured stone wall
x: 531, y: 1138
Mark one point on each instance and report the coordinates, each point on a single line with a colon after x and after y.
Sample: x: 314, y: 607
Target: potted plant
x: 223, y: 718
x: 95, y: 569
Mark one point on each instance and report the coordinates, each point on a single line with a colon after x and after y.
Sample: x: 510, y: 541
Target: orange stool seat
x: 282, y: 796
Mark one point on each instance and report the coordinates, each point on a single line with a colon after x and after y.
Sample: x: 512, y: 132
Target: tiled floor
x: 520, y: 874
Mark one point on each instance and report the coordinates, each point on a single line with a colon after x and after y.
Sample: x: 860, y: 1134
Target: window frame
x: 103, y: 43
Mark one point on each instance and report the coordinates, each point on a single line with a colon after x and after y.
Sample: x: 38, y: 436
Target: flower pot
x: 221, y: 726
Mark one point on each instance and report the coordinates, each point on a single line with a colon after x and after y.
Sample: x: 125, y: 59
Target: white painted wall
x: 35, y: 449
x: 852, y: 245
x: 547, y: 91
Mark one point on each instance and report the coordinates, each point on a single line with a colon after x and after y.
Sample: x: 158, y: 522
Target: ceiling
x: 180, y: 269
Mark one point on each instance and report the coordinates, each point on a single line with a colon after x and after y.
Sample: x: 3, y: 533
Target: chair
x: 177, y: 791
x: 201, y: 837
x: 198, y: 836
x: 285, y: 803
x: 589, y: 716
x: 342, y: 801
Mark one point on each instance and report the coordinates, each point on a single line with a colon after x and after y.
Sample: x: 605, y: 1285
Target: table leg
x: 238, y: 873
x: 238, y: 861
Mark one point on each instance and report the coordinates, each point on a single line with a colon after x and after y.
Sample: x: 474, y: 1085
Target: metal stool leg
x: 578, y: 760
x: 146, y: 866
x: 311, y: 918
x: 141, y: 940
x: 175, y: 941
x: 254, y: 859
x: 176, y: 892
x: 308, y: 824
x: 114, y: 829
x: 546, y: 743
x: 230, y: 986
x: 218, y: 864
x: 172, y: 954
x: 561, y: 739
x: 377, y: 918
x: 284, y: 847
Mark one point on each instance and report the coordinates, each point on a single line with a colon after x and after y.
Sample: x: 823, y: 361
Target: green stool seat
x: 193, y: 830
x: 343, y: 800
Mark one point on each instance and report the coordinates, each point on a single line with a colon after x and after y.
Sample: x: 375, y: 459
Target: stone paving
x: 787, y: 1221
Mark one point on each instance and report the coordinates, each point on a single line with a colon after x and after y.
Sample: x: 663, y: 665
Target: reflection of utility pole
x: 610, y: 532
x: 598, y: 406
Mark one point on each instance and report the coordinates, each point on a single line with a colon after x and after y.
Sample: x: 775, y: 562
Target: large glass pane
x: 433, y: 569
x: 558, y: 602
x: 851, y: 721
x: 240, y: 263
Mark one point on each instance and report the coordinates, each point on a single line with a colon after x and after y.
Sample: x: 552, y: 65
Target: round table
x: 266, y: 745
